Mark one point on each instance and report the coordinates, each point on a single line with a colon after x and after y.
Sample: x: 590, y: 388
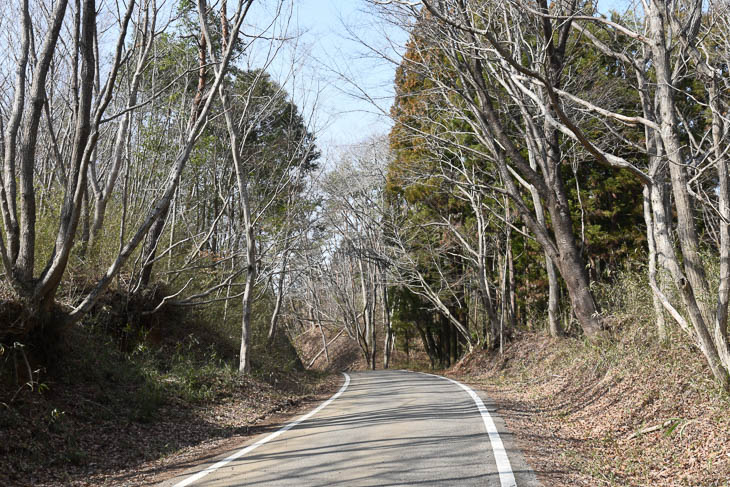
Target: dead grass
x: 581, y: 411
x: 80, y: 447
x: 343, y: 353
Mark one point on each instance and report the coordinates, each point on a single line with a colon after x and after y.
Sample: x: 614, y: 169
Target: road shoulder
x: 175, y: 465
x: 514, y: 445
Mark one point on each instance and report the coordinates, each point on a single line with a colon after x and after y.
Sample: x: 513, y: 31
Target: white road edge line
x: 504, y: 468
x: 242, y: 452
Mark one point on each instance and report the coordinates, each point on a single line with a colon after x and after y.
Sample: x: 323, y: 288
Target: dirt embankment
x: 343, y: 352
x: 628, y: 412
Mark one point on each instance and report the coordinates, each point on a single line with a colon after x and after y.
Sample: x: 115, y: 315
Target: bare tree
x: 465, y: 35
x: 520, y: 49
x: 82, y: 125
x: 238, y: 133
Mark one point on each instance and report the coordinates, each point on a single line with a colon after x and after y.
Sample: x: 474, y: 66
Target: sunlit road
x: 386, y: 428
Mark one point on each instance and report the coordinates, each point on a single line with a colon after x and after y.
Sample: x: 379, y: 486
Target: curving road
x: 384, y: 428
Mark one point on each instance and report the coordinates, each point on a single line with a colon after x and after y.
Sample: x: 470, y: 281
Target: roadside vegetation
x: 170, y: 233
x: 112, y: 398
x: 629, y: 411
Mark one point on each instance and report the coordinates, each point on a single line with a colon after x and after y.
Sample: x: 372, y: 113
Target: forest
x: 540, y: 151
x: 550, y: 167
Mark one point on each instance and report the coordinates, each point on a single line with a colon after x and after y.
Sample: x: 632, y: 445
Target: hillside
x: 116, y: 403
x: 343, y: 353
x: 623, y: 413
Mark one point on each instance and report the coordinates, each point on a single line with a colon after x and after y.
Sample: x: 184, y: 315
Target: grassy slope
x: 117, y: 396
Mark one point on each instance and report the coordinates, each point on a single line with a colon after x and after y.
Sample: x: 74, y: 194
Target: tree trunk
x: 554, y: 327
x: 571, y: 264
x: 84, y: 241
x: 373, y: 330
x: 321, y: 332
x: 444, y: 342
x: 553, y: 299
x: 150, y: 249
x: 658, y: 308
x: 388, y: 345
x: 279, y: 299
x: 720, y: 332
x: 244, y: 366
x: 693, y: 287
x: 428, y: 344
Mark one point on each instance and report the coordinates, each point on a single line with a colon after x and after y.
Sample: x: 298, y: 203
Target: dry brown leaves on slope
x: 622, y: 414
x: 126, y: 452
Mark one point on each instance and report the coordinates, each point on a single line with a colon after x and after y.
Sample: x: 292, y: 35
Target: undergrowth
x: 628, y: 410
x: 119, y: 388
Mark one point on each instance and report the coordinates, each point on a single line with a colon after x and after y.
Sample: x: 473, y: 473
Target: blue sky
x: 334, y: 67
x: 339, y: 70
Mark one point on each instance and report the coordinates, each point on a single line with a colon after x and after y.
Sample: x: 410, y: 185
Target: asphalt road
x: 385, y: 428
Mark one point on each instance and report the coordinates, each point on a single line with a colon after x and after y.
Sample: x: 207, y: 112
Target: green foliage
x: 432, y: 135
